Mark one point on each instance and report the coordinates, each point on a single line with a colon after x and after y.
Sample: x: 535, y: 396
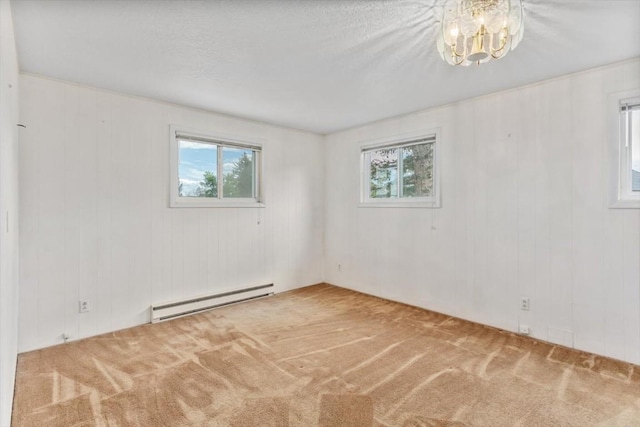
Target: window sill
x: 624, y: 204
x: 423, y: 205
x: 216, y: 204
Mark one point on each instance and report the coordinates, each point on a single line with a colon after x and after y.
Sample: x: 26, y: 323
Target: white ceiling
x: 322, y: 65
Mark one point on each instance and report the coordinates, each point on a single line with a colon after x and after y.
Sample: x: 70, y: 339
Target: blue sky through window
x: 196, y: 159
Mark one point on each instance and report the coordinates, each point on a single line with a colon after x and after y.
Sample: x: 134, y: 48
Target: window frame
x: 620, y: 194
x: 404, y: 140
x: 177, y: 133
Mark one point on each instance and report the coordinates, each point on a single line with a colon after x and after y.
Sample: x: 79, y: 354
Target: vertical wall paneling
x: 52, y: 298
x: 510, y: 161
x: 103, y: 164
x: 543, y: 155
x: 526, y: 176
x: 559, y: 309
x: 463, y: 135
x: 86, y: 188
x: 631, y: 290
x: 9, y: 212
x: 70, y: 241
x: 95, y: 175
x: 524, y: 214
x: 589, y: 204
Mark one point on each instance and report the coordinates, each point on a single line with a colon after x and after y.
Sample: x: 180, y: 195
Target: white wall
x: 94, y: 171
x: 524, y: 213
x: 8, y: 211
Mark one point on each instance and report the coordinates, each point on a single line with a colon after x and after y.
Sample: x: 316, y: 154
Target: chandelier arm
x: 503, y: 44
x: 455, y: 52
x: 454, y: 56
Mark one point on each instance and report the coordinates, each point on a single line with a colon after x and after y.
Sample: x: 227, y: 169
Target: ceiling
x: 321, y: 66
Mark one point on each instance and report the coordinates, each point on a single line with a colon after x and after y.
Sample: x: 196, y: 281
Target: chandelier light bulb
x: 477, y: 31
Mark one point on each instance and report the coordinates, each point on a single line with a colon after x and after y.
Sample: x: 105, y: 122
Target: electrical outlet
x: 339, y: 267
x: 84, y: 306
x: 524, y: 330
x: 524, y: 304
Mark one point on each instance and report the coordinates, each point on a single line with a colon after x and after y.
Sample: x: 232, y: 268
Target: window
x: 625, y: 180
x: 210, y: 171
x: 400, y: 173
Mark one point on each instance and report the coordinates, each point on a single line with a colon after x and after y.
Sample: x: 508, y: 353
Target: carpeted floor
x: 321, y: 356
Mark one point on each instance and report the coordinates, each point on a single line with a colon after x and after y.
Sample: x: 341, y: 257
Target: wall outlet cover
x: 85, y: 306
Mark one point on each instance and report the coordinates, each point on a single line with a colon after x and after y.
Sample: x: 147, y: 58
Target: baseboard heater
x: 196, y: 305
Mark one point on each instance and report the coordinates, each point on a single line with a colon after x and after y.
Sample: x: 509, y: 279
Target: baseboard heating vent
x: 196, y: 305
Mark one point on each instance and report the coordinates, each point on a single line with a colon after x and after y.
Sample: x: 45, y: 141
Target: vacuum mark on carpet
x: 520, y: 362
x: 310, y: 335
x: 326, y: 349
x: 394, y: 373
x: 417, y: 388
x: 482, y: 371
x: 103, y: 371
x: 564, y: 381
x: 367, y: 362
x: 55, y: 393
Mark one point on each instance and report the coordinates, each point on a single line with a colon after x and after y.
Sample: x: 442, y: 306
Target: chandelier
x: 477, y: 31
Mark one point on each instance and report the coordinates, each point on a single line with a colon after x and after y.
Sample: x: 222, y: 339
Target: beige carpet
x: 321, y: 356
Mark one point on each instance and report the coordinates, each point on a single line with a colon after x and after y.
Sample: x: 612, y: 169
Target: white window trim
x: 408, y: 202
x: 175, y: 201
x: 620, y: 197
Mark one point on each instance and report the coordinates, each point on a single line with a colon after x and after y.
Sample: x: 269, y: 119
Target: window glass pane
x: 238, y: 169
x: 197, y: 171
x: 634, y: 145
x: 417, y: 171
x: 384, y: 173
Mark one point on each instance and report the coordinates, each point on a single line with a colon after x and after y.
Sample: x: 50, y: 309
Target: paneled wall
x: 94, y: 170
x: 524, y: 213
x: 9, y: 137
